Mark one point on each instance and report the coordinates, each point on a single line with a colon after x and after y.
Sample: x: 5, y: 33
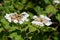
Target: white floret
x: 34, y: 17
x: 56, y: 1
x: 23, y: 19
x: 21, y: 22
x: 44, y: 17
x: 10, y: 19
x: 15, y: 21
x: 25, y: 14
x: 7, y: 16
x: 45, y: 21
x: 27, y: 20
x: 37, y: 23
x: 48, y: 23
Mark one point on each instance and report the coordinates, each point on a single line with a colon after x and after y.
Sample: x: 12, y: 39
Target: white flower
x: 48, y: 23
x: 34, y: 17
x: 15, y: 21
x: 25, y: 14
x: 17, y: 18
x: 27, y: 20
x: 56, y: 1
x: 44, y: 17
x: 37, y: 23
x: 42, y: 20
x: 8, y: 17
x: 24, y: 18
x: 21, y: 22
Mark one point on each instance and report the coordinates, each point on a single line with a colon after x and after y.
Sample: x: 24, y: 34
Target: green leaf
x: 51, y: 9
x: 5, y: 23
x: 12, y: 29
x: 55, y: 38
x: 1, y: 8
x: 19, y: 6
x: 49, y: 29
x: 6, y: 3
x: 29, y: 5
x: 47, y: 1
x: 32, y: 29
x: 24, y: 29
x: 23, y: 1
x: 1, y: 29
x: 6, y: 9
x: 38, y: 10
x: 11, y: 8
x: 15, y: 36
x: 58, y: 17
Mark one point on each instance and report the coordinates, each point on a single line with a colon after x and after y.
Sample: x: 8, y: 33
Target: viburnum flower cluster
x: 56, y: 1
x: 42, y: 20
x: 20, y: 18
x: 17, y: 18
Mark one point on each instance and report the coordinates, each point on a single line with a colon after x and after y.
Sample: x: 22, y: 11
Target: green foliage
x: 1, y: 29
x: 15, y: 36
x: 5, y: 23
x: 29, y: 5
x: 23, y: 1
x: 51, y: 9
x: 39, y: 10
x: 28, y: 31
x: 32, y: 29
x: 58, y: 17
x: 19, y: 6
x: 47, y: 1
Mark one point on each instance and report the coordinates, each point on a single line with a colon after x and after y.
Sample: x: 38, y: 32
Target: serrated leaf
x: 51, y: 9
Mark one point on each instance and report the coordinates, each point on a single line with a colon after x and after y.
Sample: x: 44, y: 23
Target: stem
x: 50, y: 15
x: 57, y: 26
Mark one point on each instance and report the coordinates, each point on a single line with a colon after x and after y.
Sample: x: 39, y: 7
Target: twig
x: 50, y: 15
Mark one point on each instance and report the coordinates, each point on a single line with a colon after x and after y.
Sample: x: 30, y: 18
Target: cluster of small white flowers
x: 56, y: 1
x: 42, y: 20
x: 20, y: 18
x: 17, y: 18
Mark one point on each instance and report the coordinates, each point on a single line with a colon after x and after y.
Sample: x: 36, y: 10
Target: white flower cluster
x: 42, y: 20
x: 20, y: 18
x: 17, y: 18
x: 56, y: 1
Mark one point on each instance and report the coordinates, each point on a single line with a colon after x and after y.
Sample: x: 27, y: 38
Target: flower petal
x: 38, y: 23
x: 34, y: 17
x: 48, y: 23
x: 15, y: 21
x: 25, y: 14
x: 21, y: 22
x: 9, y: 20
